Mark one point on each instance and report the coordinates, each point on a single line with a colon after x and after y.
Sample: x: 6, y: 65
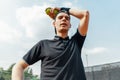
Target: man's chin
x: 64, y: 30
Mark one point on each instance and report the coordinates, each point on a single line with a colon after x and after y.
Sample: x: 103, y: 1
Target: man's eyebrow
x: 63, y: 16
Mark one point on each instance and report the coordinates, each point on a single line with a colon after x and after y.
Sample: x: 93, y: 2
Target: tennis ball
x: 47, y: 10
x: 55, y: 12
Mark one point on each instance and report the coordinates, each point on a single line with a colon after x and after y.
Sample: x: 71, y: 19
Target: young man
x: 60, y: 57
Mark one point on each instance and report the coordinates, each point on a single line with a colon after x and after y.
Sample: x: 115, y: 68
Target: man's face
x: 62, y: 22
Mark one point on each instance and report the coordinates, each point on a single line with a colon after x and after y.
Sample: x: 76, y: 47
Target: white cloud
x: 71, y: 5
x: 8, y: 34
x: 95, y: 50
x: 67, y: 4
x: 34, y: 20
x: 52, y: 0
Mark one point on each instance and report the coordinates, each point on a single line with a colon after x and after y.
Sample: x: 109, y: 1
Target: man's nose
x: 63, y: 18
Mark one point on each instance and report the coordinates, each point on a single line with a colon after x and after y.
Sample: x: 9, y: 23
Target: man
x: 60, y: 57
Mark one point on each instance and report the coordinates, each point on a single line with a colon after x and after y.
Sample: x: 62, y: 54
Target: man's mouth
x: 63, y: 24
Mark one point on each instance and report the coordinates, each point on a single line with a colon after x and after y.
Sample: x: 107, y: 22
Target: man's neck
x: 62, y: 35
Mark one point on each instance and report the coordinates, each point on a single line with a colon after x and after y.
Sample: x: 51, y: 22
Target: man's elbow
x: 86, y: 13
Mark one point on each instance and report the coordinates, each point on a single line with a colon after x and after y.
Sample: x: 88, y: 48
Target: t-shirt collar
x: 60, y: 38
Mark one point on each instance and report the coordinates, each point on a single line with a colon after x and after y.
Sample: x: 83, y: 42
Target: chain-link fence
x: 103, y: 72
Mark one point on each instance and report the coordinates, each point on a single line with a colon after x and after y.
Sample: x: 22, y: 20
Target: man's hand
x: 52, y: 12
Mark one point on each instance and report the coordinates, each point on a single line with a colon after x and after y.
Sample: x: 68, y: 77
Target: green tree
x: 1, y: 73
x: 1, y: 78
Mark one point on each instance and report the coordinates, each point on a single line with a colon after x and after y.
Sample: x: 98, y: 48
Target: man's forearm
x: 83, y: 15
x: 78, y: 13
x: 17, y: 73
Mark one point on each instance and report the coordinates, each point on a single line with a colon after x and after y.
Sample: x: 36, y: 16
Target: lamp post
x: 86, y: 59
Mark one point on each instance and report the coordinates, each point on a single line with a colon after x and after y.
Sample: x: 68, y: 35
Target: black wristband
x: 66, y: 9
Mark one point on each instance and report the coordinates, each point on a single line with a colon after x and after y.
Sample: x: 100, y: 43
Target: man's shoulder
x: 78, y: 34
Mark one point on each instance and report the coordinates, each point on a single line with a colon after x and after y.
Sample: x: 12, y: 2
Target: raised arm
x: 83, y: 15
x: 18, y: 69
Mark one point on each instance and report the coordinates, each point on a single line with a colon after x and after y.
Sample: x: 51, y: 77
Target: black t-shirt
x: 60, y: 58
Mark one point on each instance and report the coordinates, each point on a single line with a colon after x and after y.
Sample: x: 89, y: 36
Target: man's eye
x: 60, y: 17
x: 67, y: 18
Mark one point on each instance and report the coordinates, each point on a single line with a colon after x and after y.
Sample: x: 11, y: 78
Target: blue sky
x: 23, y: 23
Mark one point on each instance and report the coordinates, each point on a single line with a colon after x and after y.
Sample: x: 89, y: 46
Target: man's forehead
x: 62, y: 14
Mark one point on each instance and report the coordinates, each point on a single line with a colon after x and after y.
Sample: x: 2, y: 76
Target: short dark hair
x: 61, y: 11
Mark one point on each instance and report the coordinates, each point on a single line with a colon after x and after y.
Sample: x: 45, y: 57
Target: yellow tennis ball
x: 47, y: 10
x: 55, y: 12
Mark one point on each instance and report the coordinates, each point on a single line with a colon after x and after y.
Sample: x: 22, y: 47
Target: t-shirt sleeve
x: 79, y: 39
x: 33, y: 55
